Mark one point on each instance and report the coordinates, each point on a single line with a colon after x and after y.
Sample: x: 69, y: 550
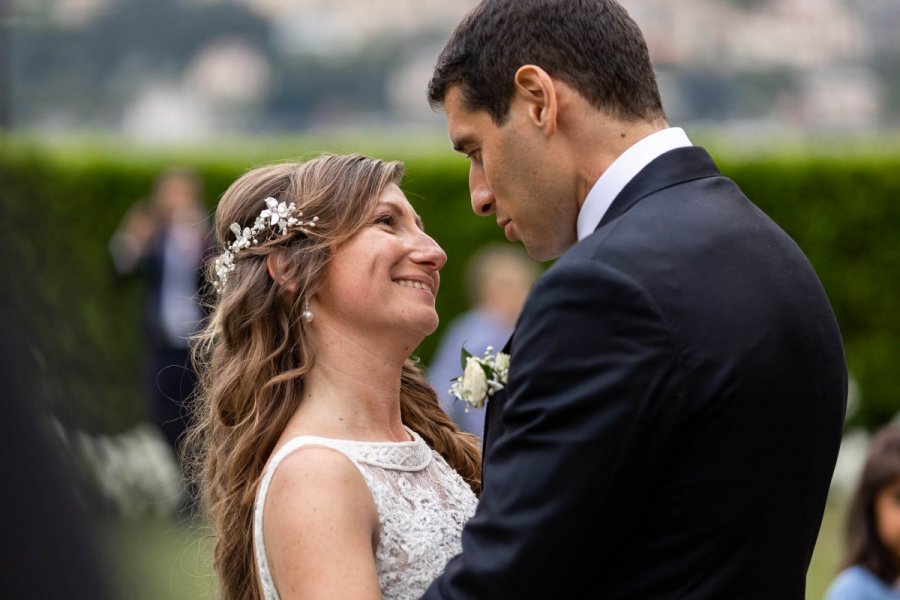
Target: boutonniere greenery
x: 482, y: 377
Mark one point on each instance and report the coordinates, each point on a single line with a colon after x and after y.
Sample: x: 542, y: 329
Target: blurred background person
x: 498, y: 278
x: 165, y: 240
x: 872, y: 567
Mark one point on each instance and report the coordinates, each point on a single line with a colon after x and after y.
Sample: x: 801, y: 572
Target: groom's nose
x: 480, y: 192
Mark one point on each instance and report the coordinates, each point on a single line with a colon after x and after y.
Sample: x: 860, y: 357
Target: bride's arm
x: 320, y: 528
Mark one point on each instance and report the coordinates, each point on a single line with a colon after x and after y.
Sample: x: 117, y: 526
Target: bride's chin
x: 432, y: 325
x: 425, y: 327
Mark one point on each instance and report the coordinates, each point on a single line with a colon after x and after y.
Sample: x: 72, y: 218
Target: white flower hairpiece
x: 277, y: 217
x: 481, y: 377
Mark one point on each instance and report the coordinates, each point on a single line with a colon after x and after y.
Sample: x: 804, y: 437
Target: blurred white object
x: 850, y: 461
x: 165, y: 113
x: 854, y: 446
x: 229, y: 71
x: 134, y: 471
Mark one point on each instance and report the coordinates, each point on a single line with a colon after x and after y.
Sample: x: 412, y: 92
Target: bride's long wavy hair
x: 254, y: 352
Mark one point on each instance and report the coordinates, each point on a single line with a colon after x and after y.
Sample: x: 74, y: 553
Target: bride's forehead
x: 392, y: 194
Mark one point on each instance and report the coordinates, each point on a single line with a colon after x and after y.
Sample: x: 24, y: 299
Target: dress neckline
x: 412, y: 455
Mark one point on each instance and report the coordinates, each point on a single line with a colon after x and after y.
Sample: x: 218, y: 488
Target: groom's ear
x: 535, y: 88
x: 276, y: 264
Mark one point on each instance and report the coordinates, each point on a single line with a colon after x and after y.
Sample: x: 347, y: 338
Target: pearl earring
x: 306, y: 315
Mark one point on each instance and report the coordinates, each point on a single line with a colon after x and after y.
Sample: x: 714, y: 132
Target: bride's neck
x: 353, y: 390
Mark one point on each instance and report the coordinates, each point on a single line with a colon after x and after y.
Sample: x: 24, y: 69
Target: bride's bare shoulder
x: 319, y: 477
x: 319, y: 515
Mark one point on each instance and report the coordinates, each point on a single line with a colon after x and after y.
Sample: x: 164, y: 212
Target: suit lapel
x: 492, y: 424
x: 671, y: 168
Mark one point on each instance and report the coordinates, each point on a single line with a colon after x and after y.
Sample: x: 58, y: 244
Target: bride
x: 328, y: 468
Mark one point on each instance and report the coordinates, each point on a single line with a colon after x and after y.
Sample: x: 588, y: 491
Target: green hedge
x: 76, y: 324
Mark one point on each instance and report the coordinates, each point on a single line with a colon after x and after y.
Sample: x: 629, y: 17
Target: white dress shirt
x: 623, y: 170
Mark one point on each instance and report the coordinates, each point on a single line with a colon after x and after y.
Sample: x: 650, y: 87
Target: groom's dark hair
x: 592, y: 45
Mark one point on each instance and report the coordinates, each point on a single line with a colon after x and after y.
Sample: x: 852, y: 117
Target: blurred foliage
x: 90, y: 72
x: 87, y: 64
x: 739, y: 94
x: 888, y: 66
x: 748, y: 4
x: 59, y: 208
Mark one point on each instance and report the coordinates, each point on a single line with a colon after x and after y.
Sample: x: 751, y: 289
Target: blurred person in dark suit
x: 498, y: 278
x: 166, y: 240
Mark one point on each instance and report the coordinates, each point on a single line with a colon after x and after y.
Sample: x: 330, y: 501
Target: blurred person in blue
x: 165, y: 240
x: 498, y: 278
x: 871, y: 569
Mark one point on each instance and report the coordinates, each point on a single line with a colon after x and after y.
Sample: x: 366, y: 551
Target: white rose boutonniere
x: 481, y: 378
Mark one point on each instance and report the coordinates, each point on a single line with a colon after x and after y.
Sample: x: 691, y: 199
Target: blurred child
x: 872, y: 566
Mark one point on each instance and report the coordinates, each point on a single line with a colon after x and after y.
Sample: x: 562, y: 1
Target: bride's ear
x: 276, y: 263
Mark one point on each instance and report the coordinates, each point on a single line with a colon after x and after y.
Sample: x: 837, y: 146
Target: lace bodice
x: 422, y: 506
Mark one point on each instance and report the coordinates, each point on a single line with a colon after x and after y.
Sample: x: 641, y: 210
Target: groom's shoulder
x: 584, y: 275
x: 580, y: 260
x: 604, y: 251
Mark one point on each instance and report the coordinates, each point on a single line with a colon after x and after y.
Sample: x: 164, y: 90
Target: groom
x: 677, y: 383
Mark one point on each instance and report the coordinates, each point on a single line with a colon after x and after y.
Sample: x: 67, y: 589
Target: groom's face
x: 513, y: 175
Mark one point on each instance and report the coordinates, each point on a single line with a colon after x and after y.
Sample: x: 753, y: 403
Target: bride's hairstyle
x: 254, y: 352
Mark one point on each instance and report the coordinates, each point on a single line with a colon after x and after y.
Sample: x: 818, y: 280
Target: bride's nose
x: 427, y: 252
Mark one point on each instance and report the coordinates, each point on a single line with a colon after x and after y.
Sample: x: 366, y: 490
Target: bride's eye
x: 385, y: 219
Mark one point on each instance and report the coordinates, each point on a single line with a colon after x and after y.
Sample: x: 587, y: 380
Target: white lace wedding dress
x: 422, y: 506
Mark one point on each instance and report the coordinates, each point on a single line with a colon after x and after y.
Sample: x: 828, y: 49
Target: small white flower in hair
x: 277, y: 216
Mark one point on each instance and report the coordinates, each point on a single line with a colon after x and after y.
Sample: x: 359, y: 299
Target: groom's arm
x: 591, y: 359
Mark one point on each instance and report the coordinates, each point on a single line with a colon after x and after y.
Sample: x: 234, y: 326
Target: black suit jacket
x: 675, y: 403
x: 152, y: 268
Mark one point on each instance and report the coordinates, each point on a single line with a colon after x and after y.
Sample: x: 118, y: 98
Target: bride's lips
x: 429, y: 284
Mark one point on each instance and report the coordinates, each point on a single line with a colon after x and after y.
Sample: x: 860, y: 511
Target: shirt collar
x: 623, y: 170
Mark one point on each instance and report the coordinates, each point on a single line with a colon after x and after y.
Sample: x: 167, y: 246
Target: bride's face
x: 384, y: 279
